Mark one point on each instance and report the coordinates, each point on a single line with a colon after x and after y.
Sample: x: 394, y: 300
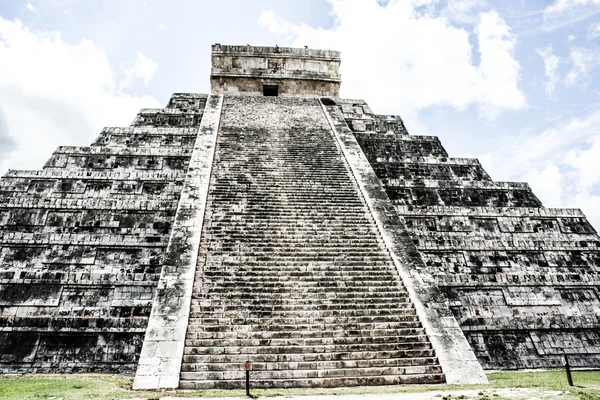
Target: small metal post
x: 248, y: 383
x: 568, y: 370
x: 247, y: 368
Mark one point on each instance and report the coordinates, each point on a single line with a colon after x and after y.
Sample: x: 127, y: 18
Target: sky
x: 514, y: 83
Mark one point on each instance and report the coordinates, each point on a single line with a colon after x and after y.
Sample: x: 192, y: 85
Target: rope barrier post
x: 247, y: 368
x: 568, y: 370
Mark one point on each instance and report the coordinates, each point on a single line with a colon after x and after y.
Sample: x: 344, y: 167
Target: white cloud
x: 55, y: 93
x: 487, y: 162
x: 31, y: 7
x: 498, y: 69
x: 590, y: 205
x: 551, y: 62
x: 162, y: 27
x: 418, y: 59
x: 533, y: 150
x: 571, y: 37
x: 559, y: 7
x: 142, y: 68
x: 464, y: 11
x: 594, y: 31
x: 547, y: 184
x: 563, y: 13
x: 582, y: 61
x: 585, y: 162
x: 560, y: 164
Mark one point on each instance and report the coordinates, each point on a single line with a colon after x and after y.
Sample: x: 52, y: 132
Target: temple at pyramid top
x: 275, y: 71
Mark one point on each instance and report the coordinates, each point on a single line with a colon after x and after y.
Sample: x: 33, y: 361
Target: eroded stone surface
x: 292, y: 274
x: 290, y: 270
x: 82, y: 244
x: 160, y: 360
x: 274, y: 71
x: 521, y: 279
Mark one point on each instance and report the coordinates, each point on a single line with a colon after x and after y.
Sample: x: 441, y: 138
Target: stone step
x: 234, y: 167
x: 332, y: 284
x: 271, y: 322
x: 229, y: 276
x: 275, y: 228
x: 308, y: 342
x: 358, y: 246
x: 224, y: 348
x: 309, y: 281
x: 271, y: 274
x: 312, y: 179
x: 287, y: 189
x: 278, y: 290
x: 228, y: 201
x: 298, y: 235
x: 271, y: 312
x: 200, y: 305
x: 292, y: 237
x: 307, y: 288
x: 393, y: 296
x: 313, y: 268
x: 273, y: 259
x: 252, y: 218
x: 308, y: 357
x: 291, y: 192
x: 233, y: 263
x: 294, y: 207
x: 313, y: 365
x: 319, y: 246
x: 273, y: 195
x: 311, y: 235
x: 357, y: 380
x: 318, y: 373
x: 195, y: 332
x: 280, y: 151
x: 230, y: 265
x: 265, y: 169
x: 276, y: 255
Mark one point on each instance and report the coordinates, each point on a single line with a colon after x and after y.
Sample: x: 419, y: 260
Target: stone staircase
x: 292, y: 274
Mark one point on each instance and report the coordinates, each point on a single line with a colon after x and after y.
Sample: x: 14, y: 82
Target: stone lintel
x: 261, y: 51
x: 459, y: 363
x: 160, y: 359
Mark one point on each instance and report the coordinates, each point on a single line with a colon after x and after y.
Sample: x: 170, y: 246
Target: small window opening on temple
x: 270, y: 90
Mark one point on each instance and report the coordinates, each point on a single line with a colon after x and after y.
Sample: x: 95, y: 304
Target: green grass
x: 109, y: 387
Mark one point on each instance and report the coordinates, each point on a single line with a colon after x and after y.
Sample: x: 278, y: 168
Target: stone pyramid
x: 276, y: 223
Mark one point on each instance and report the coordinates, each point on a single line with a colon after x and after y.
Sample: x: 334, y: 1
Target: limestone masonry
x: 273, y: 222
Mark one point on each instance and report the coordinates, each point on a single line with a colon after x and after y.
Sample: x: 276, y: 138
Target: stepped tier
x: 82, y: 243
x: 522, y: 280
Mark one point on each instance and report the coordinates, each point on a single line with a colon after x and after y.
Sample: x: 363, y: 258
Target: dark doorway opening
x: 270, y: 90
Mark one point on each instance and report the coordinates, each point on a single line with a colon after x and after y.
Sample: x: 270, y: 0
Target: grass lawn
x: 105, y: 387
